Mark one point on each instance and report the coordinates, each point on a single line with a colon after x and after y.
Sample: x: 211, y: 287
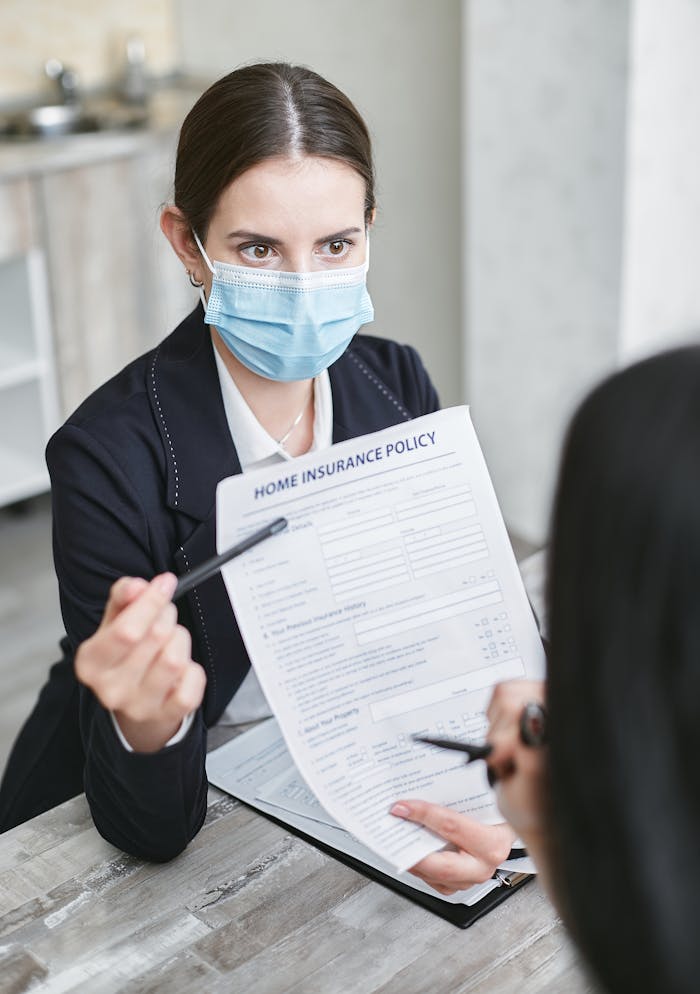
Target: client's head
x: 624, y: 675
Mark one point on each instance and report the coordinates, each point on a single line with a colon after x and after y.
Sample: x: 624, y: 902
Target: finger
x: 116, y: 669
x: 121, y: 593
x: 509, y: 697
x: 188, y: 694
x: 153, y: 667
x: 505, y: 744
x: 132, y: 623
x: 486, y: 842
x: 520, y: 759
x: 447, y: 891
x: 441, y: 888
x: 457, y: 870
x: 509, y: 753
x: 504, y: 713
x: 112, y: 642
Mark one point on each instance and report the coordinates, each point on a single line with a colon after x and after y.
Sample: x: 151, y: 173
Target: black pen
x: 212, y: 566
x: 472, y: 750
x: 532, y: 726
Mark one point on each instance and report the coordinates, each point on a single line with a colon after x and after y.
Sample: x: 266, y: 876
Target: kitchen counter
x: 29, y: 157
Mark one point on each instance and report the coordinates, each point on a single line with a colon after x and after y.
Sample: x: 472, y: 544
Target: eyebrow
x: 256, y: 236
x: 337, y: 235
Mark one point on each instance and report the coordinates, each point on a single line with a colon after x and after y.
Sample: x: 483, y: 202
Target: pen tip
x: 279, y: 525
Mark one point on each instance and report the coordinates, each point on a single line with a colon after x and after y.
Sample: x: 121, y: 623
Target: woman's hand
x: 520, y: 785
x: 138, y: 663
x: 478, y: 848
x: 520, y: 769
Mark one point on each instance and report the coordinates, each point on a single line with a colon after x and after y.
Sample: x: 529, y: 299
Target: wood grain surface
x: 248, y: 907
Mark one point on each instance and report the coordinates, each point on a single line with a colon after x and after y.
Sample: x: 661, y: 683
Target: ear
x: 372, y: 218
x: 178, y: 232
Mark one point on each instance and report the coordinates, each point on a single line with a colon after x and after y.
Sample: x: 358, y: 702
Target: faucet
x: 134, y: 88
x: 65, y: 79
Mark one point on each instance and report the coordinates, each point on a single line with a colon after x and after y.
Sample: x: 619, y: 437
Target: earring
x: 195, y: 283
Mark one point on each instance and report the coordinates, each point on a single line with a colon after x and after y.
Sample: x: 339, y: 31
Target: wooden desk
x: 247, y: 908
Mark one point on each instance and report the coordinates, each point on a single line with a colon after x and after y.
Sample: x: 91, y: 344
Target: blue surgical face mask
x: 286, y: 326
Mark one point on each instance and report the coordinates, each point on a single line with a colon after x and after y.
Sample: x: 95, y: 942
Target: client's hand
x: 138, y: 663
x: 520, y: 769
x: 478, y: 849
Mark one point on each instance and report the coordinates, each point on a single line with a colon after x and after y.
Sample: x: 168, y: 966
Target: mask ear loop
x: 211, y: 268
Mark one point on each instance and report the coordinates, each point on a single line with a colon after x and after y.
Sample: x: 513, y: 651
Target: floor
x: 30, y: 618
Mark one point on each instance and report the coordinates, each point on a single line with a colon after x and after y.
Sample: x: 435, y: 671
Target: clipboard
x: 243, y: 789
x: 461, y: 915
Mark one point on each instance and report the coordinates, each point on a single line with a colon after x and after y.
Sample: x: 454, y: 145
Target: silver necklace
x: 297, y: 419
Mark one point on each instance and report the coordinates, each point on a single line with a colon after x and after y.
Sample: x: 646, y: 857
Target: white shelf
x: 15, y: 369
x: 28, y: 408
x: 21, y: 476
x: 18, y: 336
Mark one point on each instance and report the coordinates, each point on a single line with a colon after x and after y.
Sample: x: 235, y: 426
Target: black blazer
x: 134, y: 474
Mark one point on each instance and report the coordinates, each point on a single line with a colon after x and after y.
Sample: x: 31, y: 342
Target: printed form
x: 257, y: 768
x: 389, y: 607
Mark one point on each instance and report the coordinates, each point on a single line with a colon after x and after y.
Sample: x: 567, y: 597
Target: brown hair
x: 256, y: 113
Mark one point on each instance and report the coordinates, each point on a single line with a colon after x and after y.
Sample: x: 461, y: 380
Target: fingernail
x: 165, y: 584
x: 400, y: 810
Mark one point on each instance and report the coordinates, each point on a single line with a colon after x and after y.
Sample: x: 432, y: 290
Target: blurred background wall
x: 581, y: 231
x: 544, y: 162
x: 661, y: 263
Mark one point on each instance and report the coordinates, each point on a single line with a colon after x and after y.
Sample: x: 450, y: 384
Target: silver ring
x: 533, y: 724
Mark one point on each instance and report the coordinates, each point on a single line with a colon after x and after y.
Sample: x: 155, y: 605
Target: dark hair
x: 624, y: 676
x: 256, y: 113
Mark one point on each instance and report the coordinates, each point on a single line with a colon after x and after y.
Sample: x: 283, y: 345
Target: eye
x: 256, y: 253
x: 338, y: 248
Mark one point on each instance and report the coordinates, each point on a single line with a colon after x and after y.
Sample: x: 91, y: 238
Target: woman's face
x: 292, y: 214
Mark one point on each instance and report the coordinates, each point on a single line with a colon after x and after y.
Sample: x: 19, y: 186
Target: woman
x: 611, y: 809
x: 273, y: 202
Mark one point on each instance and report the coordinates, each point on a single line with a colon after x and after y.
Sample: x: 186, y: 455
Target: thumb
x: 122, y: 593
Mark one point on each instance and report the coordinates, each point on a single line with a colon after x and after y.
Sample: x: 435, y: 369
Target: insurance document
x: 257, y: 768
x: 389, y: 607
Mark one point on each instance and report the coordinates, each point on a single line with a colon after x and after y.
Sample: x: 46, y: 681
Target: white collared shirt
x: 255, y: 448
